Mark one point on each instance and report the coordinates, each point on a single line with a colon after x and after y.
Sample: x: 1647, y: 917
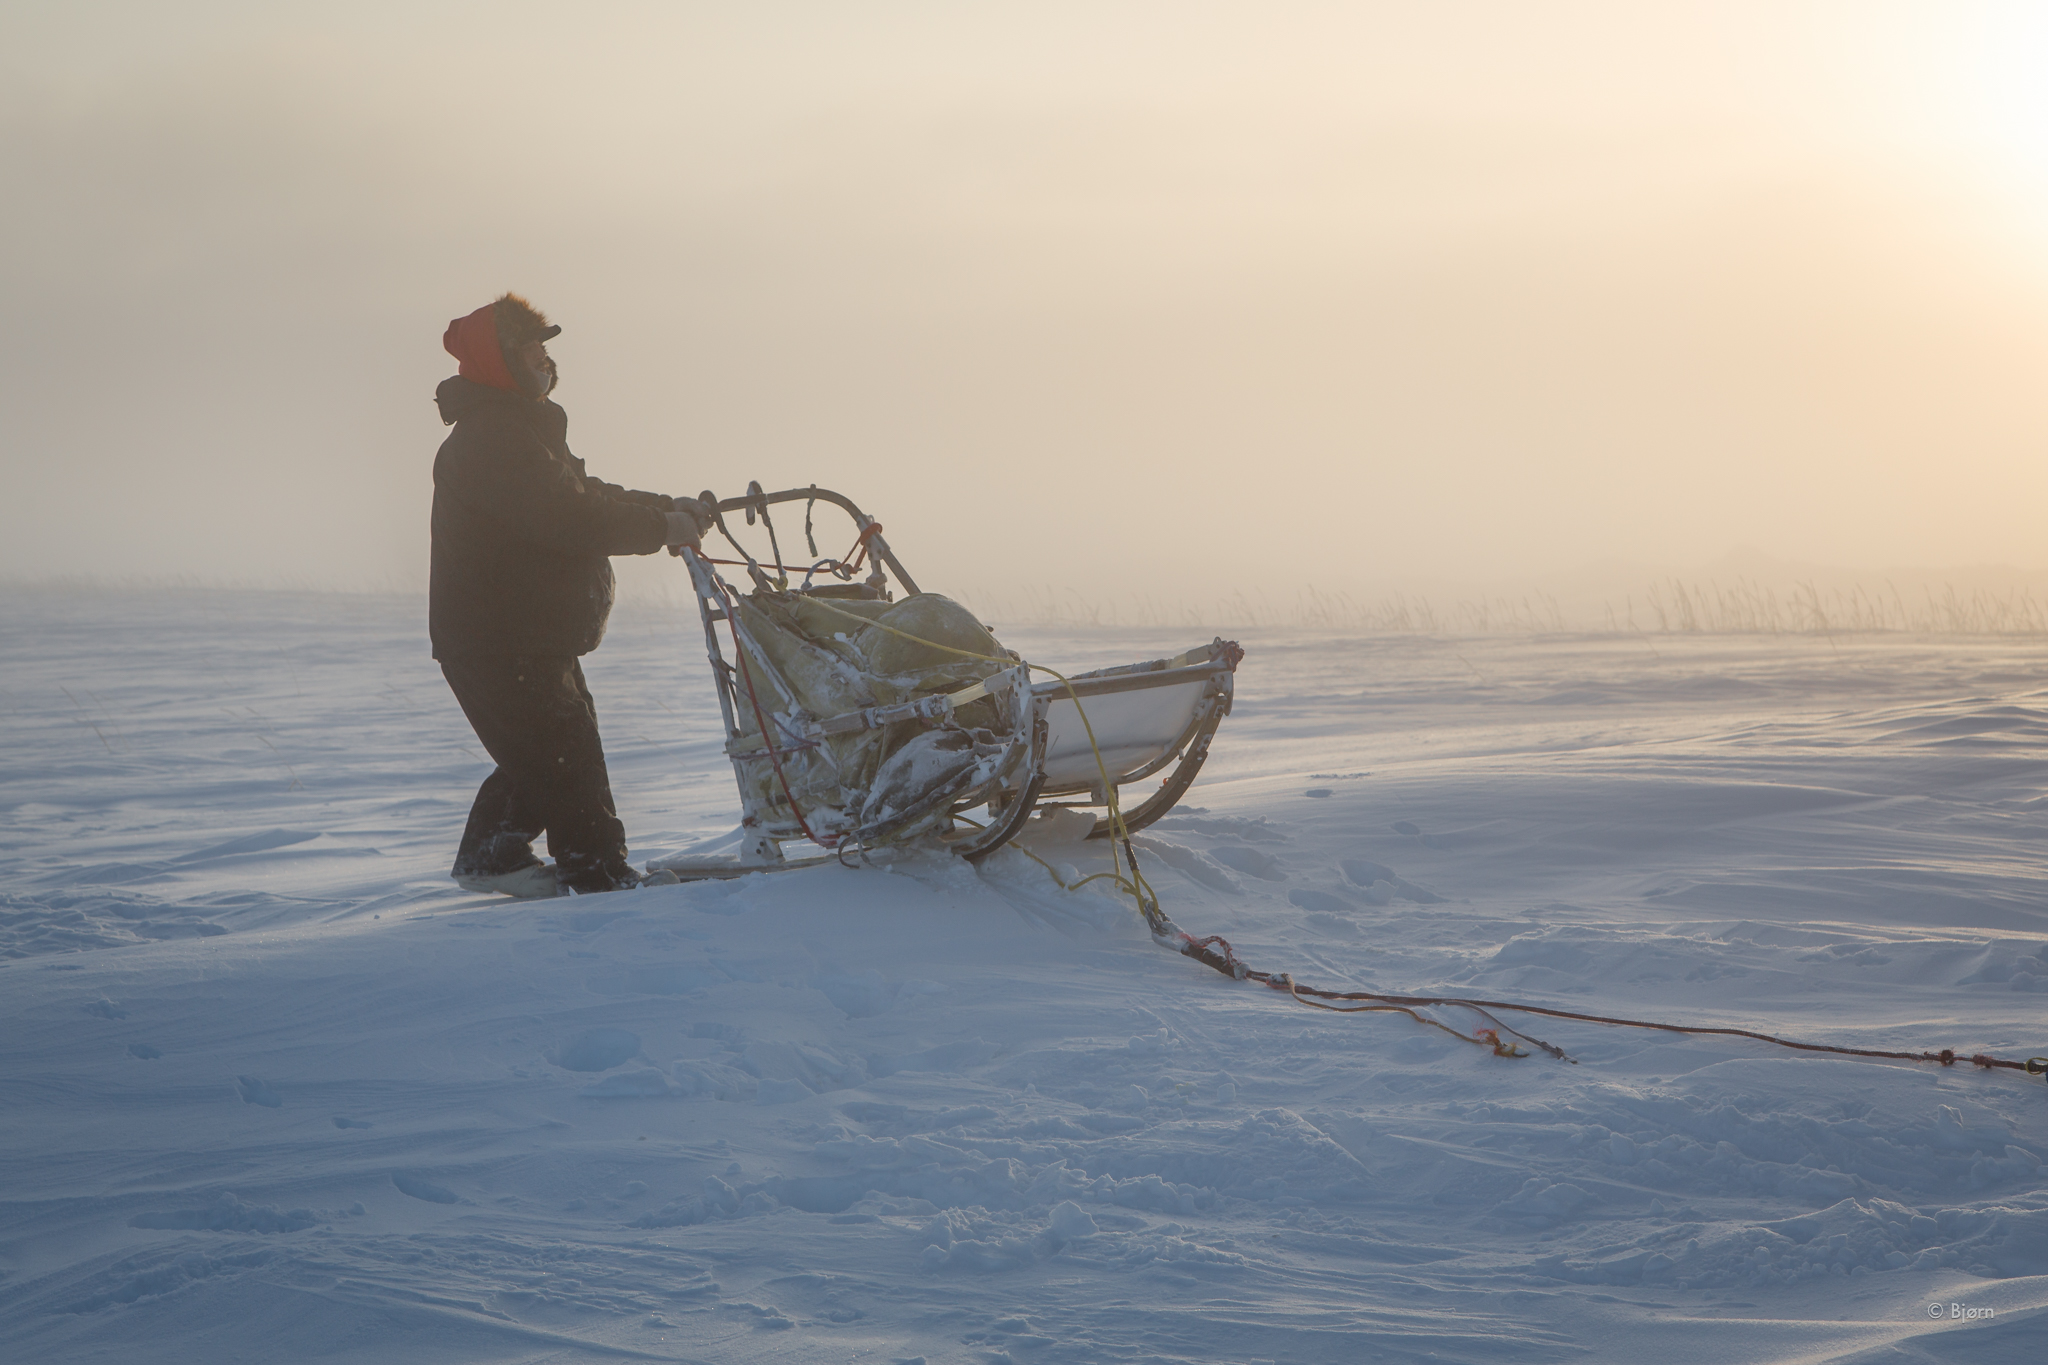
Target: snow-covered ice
x: 272, y: 1088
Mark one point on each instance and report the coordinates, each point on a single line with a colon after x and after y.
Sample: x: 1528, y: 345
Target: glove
x: 684, y: 526
x: 705, y: 513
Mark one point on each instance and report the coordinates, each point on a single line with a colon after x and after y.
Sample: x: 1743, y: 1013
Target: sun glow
x: 2007, y: 93
x: 1973, y: 94
x: 1530, y: 285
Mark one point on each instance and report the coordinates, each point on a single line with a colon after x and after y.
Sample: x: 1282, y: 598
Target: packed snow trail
x: 271, y: 1086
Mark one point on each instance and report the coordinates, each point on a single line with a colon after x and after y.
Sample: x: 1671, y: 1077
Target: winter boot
x: 603, y: 877
x: 534, y: 881
x: 504, y: 862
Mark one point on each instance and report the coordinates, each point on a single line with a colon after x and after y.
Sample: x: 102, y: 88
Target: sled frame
x: 1021, y: 785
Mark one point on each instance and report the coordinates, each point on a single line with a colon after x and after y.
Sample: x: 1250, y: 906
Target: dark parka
x: 522, y: 536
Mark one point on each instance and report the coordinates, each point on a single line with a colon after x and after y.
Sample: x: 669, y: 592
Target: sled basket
x: 856, y: 718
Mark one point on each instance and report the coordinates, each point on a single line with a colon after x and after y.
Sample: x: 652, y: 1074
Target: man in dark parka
x: 520, y: 589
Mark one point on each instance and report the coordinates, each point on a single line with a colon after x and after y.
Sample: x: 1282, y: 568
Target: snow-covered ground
x: 271, y: 1088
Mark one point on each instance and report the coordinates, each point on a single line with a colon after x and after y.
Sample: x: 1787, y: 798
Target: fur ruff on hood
x: 519, y: 322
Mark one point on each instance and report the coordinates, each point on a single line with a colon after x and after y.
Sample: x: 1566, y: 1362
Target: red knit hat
x: 473, y: 340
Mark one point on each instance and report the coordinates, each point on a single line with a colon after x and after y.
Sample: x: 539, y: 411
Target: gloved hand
x: 705, y: 513
x: 684, y: 526
x: 688, y: 522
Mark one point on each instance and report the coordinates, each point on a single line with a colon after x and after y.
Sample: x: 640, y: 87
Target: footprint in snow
x: 1376, y: 880
x: 340, y: 1122
x: 105, y: 1009
x: 144, y: 1051
x: 1193, y: 866
x: 256, y: 1092
x: 598, y: 1049
x: 1414, y: 831
x: 1382, y: 886
x: 1249, y: 861
x: 421, y: 1188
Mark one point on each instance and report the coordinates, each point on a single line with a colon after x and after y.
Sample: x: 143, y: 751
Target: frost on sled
x: 856, y: 717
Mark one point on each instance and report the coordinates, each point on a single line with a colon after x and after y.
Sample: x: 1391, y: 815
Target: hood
x: 473, y: 340
x: 459, y: 398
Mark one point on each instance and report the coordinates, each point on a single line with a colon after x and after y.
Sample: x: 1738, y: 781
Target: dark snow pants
x: 538, y: 723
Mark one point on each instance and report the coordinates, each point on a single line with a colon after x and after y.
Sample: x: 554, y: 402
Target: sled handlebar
x: 753, y: 501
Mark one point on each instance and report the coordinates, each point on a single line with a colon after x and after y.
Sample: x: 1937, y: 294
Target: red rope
x: 827, y: 565
x: 859, y: 552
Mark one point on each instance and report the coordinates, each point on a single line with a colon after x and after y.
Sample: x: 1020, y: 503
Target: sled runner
x: 857, y: 717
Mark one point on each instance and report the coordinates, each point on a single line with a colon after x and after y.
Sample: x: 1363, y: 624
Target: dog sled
x: 861, y: 711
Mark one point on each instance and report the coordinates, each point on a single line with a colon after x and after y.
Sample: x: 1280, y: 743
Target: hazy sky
x: 1150, y: 295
